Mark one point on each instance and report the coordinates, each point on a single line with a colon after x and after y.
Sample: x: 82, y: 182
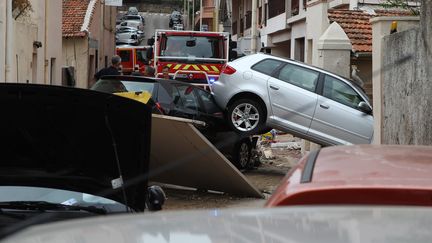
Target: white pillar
x: 254, y: 27
x: 201, y: 14
x: 10, y: 48
x: 334, y: 48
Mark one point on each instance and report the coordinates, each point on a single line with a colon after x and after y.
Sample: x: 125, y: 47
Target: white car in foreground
x: 285, y: 224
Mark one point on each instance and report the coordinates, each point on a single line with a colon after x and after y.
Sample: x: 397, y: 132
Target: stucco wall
x: 407, y: 89
x: 26, y: 34
x: 53, y: 41
x: 75, y: 53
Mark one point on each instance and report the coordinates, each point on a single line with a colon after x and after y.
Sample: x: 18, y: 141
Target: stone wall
x: 407, y: 89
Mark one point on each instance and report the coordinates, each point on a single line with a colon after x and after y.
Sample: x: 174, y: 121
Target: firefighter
x: 165, y: 73
x: 111, y: 70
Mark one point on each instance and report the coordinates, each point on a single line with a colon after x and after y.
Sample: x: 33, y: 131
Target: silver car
x: 261, y: 91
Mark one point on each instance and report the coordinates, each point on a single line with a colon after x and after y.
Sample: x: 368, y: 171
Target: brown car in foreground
x: 366, y: 174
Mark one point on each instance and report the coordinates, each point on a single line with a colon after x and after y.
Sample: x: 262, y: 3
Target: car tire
x: 246, y: 117
x: 242, y: 154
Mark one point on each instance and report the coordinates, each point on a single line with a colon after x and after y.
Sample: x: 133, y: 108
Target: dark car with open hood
x: 70, y: 153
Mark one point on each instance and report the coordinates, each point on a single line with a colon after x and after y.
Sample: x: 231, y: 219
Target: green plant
x: 412, y: 5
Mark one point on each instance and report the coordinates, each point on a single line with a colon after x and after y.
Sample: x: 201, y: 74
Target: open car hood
x: 58, y: 137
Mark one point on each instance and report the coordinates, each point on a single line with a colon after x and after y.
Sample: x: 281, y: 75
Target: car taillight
x: 228, y: 70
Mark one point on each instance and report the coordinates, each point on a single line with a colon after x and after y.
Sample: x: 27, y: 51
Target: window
x: 267, y: 66
x: 208, y: 102
x: 299, y: 76
x: 141, y: 55
x: 276, y: 7
x: 248, y: 19
x: 199, y: 46
x: 188, y: 97
x: 341, y: 92
x: 125, y: 55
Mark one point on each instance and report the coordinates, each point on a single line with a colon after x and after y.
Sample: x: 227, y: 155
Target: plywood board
x: 181, y: 155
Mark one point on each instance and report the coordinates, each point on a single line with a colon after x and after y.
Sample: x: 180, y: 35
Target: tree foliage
x: 412, y: 5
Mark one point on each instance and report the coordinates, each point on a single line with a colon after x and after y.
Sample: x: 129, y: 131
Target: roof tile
x: 356, y: 25
x: 74, y: 12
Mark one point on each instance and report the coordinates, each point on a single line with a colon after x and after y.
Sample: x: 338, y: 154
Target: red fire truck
x: 132, y: 56
x: 194, y: 56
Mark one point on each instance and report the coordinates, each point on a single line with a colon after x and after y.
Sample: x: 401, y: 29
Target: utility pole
x: 9, y: 50
x: 193, y: 14
x: 201, y: 14
x: 254, y: 27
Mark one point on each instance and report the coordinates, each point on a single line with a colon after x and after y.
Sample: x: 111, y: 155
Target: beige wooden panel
x: 181, y: 155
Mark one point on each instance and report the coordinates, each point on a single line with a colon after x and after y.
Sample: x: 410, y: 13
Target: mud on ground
x: 265, y: 177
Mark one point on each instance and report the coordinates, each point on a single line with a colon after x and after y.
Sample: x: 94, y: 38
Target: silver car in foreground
x: 284, y: 224
x: 261, y: 91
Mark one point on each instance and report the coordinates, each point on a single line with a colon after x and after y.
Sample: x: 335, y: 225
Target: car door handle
x: 274, y: 87
x: 324, y: 106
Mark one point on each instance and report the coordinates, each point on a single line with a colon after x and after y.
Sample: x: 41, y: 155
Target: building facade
x: 88, y: 38
x: 30, y: 41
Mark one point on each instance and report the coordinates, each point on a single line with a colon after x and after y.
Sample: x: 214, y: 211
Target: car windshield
x: 57, y: 196
x: 116, y: 86
x: 186, y: 46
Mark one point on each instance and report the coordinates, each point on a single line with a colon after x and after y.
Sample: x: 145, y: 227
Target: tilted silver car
x: 261, y: 91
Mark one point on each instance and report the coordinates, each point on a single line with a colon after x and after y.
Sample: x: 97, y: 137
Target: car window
x: 208, y: 101
x: 109, y: 86
x: 115, y: 86
x: 139, y: 86
x: 188, y: 97
x: 125, y: 55
x: 341, y: 92
x: 299, y: 76
x: 267, y: 66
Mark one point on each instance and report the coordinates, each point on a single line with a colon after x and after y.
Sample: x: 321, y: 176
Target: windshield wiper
x: 42, y: 206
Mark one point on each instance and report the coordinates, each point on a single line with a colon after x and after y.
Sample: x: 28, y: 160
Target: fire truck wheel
x: 246, y: 116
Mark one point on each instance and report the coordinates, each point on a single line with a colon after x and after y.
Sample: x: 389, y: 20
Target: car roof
x: 360, y: 174
x: 133, y: 78
x: 374, y: 165
x: 264, y: 55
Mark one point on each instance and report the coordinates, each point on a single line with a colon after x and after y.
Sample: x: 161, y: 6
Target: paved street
x: 154, y: 21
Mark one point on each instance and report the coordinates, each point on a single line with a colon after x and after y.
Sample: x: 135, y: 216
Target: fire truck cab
x: 132, y: 56
x: 193, y: 56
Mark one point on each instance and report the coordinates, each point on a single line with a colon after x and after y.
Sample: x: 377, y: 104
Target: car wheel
x: 246, y: 116
x: 242, y: 154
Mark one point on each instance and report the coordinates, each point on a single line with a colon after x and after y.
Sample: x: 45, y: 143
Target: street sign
x: 117, y: 3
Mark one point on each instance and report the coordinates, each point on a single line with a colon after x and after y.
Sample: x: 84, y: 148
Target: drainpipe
x: 10, y: 48
x: 2, y: 39
x: 254, y: 27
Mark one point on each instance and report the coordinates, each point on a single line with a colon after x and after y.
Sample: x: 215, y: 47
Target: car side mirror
x: 233, y: 44
x: 150, y: 41
x: 155, y: 198
x: 365, y: 107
